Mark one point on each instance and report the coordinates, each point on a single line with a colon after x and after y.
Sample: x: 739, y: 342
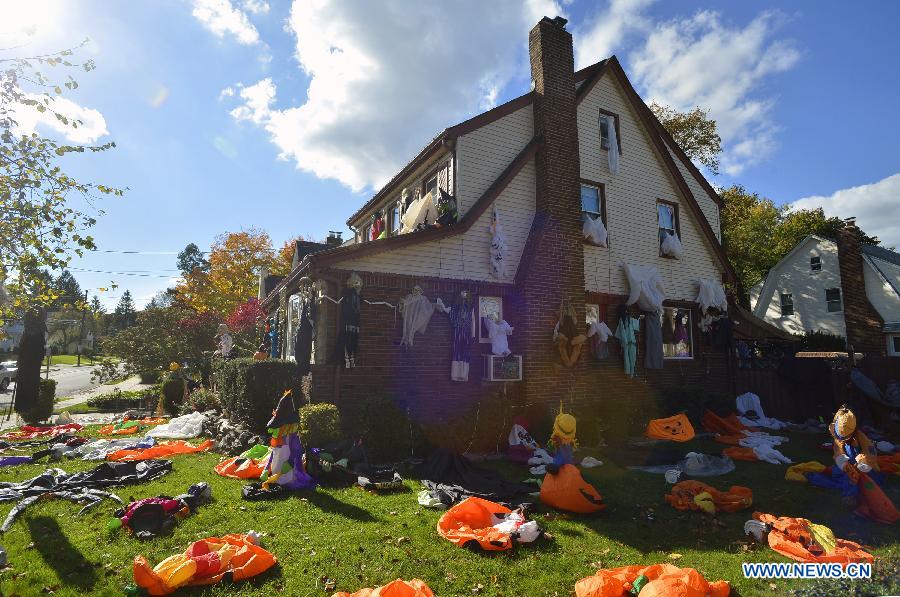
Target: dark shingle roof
x: 881, y: 253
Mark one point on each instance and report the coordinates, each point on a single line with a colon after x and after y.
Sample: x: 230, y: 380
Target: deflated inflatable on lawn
x: 677, y: 429
x: 729, y: 425
x: 694, y: 495
x: 32, y: 432
x: 129, y: 426
x: 658, y: 580
x: 204, y: 562
x: 160, y: 451
x: 803, y: 541
x: 567, y: 490
x: 150, y: 517
x: 397, y: 588
x: 488, y: 525
x: 249, y: 465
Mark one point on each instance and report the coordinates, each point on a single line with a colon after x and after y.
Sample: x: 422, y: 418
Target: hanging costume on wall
x: 671, y: 246
x: 499, y: 333
x: 613, y: 151
x: 625, y: 334
x: 348, y: 335
x: 462, y: 317
x: 447, y: 210
x: 498, y: 246
x: 273, y: 338
x: 599, y: 333
x: 653, y: 351
x: 306, y: 333
x: 417, y: 311
x: 593, y: 230
x: 711, y: 293
x: 646, y: 287
x: 569, y: 341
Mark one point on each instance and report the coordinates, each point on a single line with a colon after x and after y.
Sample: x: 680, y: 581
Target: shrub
x: 387, y: 432
x: 149, y: 377
x: 819, y: 341
x: 172, y: 394
x: 43, y: 408
x: 249, y: 390
x: 128, y: 400
x: 200, y: 400
x: 320, y: 425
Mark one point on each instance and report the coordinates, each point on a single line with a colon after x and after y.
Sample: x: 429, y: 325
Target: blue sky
x: 231, y: 114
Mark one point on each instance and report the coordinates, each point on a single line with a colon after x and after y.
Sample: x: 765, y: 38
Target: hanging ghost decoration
x: 498, y: 246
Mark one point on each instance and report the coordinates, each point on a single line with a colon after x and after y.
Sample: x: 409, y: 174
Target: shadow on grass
x: 327, y: 503
x: 72, y: 568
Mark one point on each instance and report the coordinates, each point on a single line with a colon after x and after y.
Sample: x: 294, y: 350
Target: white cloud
x: 701, y: 61
x: 876, y: 207
x: 385, y: 77
x: 257, y: 7
x: 606, y: 31
x: 222, y: 18
x: 92, y: 125
x: 227, y: 92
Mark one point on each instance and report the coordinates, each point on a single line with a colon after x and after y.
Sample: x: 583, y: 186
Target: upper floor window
x: 669, y: 229
x: 676, y: 333
x: 894, y: 345
x: 367, y: 233
x: 439, y: 178
x: 593, y: 209
x: 609, y: 129
x: 815, y: 264
x: 787, y: 304
x: 393, y: 221
x: 833, y: 300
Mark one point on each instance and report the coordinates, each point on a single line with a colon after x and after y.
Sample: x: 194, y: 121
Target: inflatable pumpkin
x: 472, y: 522
x: 397, y: 588
x: 801, y: 540
x: 658, y: 580
x: 677, y: 429
x: 567, y: 490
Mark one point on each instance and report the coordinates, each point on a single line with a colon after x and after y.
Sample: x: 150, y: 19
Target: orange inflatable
x: 738, y: 453
x: 677, y: 429
x: 129, y: 426
x: 241, y: 468
x: 662, y: 580
x: 160, y: 451
x: 889, y: 463
x: 729, y: 425
x: 472, y: 520
x: 694, y: 495
x: 793, y: 538
x: 567, y: 490
x: 397, y: 588
x: 874, y: 504
x: 204, y: 562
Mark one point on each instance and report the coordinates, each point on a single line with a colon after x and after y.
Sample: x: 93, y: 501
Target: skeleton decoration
x: 498, y: 246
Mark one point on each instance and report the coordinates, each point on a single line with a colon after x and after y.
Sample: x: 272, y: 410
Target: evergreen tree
x: 97, y: 306
x: 125, y: 314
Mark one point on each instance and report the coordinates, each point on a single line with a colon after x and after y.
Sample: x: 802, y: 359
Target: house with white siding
x: 537, y: 167
x: 809, y: 288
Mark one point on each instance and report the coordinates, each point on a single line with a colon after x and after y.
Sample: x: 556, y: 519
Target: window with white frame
x: 677, y: 333
x: 667, y: 221
x: 894, y: 345
x: 609, y: 121
x: 393, y: 221
x: 593, y: 201
x: 833, y: 300
x: 488, y: 306
x: 815, y: 264
x: 787, y: 304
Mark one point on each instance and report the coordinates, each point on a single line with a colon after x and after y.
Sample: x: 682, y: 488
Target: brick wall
x: 864, y: 324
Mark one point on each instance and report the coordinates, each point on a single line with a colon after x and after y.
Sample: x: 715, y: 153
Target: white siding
x: 631, y: 197
x: 466, y: 256
x: 709, y: 207
x: 484, y: 153
x: 879, y: 290
x: 793, y: 275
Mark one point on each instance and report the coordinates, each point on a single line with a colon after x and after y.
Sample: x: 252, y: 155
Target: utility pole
x: 81, y: 331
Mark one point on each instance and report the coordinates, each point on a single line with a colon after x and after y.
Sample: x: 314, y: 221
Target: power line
x: 137, y: 275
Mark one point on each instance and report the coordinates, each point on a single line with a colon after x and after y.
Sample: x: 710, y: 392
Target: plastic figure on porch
x: 569, y: 341
x: 417, y: 311
x: 226, y: 343
x: 462, y: 334
x: 498, y: 332
x: 285, y: 466
x: 348, y: 336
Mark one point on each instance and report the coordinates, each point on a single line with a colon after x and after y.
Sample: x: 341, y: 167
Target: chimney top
x: 558, y: 21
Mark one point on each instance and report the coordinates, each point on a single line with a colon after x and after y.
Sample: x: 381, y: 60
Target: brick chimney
x: 555, y: 269
x: 864, y: 324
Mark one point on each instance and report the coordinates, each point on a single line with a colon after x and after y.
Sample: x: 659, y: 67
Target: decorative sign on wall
x: 500, y: 368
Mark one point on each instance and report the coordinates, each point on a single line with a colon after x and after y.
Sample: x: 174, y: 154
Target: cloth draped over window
x: 645, y: 287
x: 711, y: 294
x: 671, y: 246
x: 498, y: 246
x: 613, y: 152
x: 422, y: 210
x: 417, y: 311
x: 594, y: 231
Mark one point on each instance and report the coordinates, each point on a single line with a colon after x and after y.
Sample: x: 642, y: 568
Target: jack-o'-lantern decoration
x: 677, y: 429
x: 567, y: 490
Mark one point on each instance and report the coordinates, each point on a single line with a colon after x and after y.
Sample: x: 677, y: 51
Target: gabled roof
x: 881, y: 253
x: 769, y: 279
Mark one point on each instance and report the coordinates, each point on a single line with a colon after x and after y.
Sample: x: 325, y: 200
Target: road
x: 69, y: 380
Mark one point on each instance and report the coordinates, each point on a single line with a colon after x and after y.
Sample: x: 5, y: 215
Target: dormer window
x: 815, y: 264
x: 609, y: 129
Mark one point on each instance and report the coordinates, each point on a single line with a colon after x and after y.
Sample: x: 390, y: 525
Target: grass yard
x: 359, y: 539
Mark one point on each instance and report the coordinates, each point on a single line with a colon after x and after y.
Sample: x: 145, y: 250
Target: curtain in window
x: 613, y: 152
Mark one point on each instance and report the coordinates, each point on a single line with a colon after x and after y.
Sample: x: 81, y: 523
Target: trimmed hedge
x: 320, y: 425
x: 200, y: 400
x: 249, y: 390
x: 43, y: 408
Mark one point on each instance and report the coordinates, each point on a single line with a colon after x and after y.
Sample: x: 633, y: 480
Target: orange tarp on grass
x: 471, y: 520
x: 729, y: 425
x: 665, y: 580
x: 684, y: 493
x: 160, y: 451
x: 677, y: 428
x: 241, y: 468
x: 791, y: 537
x: 738, y: 453
x: 397, y: 588
x: 129, y: 426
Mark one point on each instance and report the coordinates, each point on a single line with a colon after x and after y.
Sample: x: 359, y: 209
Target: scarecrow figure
x: 853, y: 452
x: 286, y: 466
x: 569, y: 341
x: 563, y: 438
x: 226, y: 342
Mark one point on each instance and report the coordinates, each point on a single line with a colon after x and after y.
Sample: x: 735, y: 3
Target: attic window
x: 607, y: 118
x: 593, y: 201
x: 669, y: 229
x: 833, y: 300
x: 815, y: 264
x: 787, y: 304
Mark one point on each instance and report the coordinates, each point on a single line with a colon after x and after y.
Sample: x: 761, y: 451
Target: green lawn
x: 360, y: 539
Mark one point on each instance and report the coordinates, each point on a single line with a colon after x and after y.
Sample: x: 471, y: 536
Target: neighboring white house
x: 804, y: 291
x: 10, y: 336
